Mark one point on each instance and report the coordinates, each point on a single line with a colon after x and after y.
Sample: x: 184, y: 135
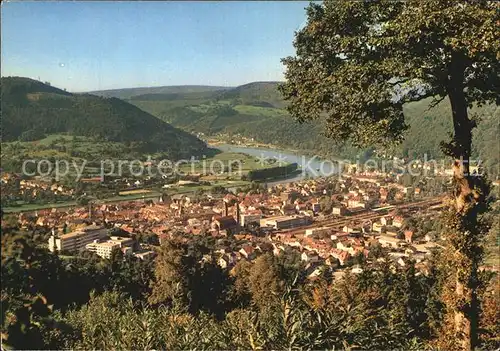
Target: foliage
x: 271, y: 172
x: 35, y: 283
x: 31, y: 109
x: 380, y: 56
x: 109, y: 321
x: 264, y: 284
x: 263, y: 121
x: 183, y: 281
x: 358, y: 63
x: 266, y: 304
x: 360, y: 312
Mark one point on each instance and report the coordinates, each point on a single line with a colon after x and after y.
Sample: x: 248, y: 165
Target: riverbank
x: 309, y: 166
x: 214, y: 143
x: 255, y: 158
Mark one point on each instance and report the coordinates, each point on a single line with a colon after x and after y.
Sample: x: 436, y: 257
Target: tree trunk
x: 467, y: 201
x: 461, y: 196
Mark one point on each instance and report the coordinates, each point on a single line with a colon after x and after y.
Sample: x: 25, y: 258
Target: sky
x: 85, y: 46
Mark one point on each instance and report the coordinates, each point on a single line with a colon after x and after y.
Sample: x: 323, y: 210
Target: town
x: 250, y: 175
x: 333, y: 223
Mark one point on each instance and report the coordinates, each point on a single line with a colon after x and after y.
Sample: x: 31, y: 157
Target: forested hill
x: 256, y: 110
x: 128, y: 93
x: 32, y: 110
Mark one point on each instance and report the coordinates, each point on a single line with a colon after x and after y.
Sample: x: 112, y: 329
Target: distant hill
x: 256, y: 110
x: 32, y: 110
x: 429, y: 126
x: 128, y: 93
x: 263, y: 94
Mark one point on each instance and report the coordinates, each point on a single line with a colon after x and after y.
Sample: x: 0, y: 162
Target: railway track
x: 364, y: 216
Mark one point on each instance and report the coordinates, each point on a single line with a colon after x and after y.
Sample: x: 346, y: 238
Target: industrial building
x: 285, y: 222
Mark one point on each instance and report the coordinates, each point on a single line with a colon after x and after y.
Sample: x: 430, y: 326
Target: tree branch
x: 435, y: 102
x: 401, y: 81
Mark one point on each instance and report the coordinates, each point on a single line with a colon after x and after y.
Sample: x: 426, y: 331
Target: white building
x: 248, y: 218
x: 104, y: 249
x: 76, y: 241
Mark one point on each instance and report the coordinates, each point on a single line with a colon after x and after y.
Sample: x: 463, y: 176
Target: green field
x: 260, y: 111
x: 239, y: 161
x: 226, y: 179
x: 119, y: 198
x: 60, y: 147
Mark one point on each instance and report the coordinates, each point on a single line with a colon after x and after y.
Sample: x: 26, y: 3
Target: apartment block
x: 104, y: 249
x: 77, y: 240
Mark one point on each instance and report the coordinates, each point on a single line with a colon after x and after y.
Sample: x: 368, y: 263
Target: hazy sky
x: 85, y: 46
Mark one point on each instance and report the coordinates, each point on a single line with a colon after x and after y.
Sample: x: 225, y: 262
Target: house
x: 252, y: 217
x: 300, y: 207
x: 105, y: 249
x: 398, y: 221
x: 177, y: 198
x: 378, y: 227
x: 344, y: 247
x: 408, y: 236
x: 287, y: 196
x: 331, y: 261
x: 389, y: 241
x: 341, y: 256
x: 288, y: 209
x: 338, y: 235
x: 145, y: 255
x: 351, y: 229
x: 386, y: 220
x: 316, y: 207
x: 222, y: 262
x: 383, y: 194
x: 229, y: 198
x: 314, y: 272
x: 407, y: 190
x: 309, y: 256
x: 339, y: 210
x: 248, y: 252
x: 277, y: 249
x: 356, y: 202
x: 391, y: 231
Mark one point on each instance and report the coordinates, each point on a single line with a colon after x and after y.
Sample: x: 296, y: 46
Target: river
x: 310, y: 166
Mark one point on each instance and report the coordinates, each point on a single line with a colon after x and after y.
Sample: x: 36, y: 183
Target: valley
x: 256, y: 112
